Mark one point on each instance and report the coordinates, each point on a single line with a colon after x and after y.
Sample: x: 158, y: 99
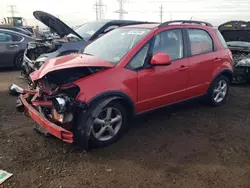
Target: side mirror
x: 161, y: 59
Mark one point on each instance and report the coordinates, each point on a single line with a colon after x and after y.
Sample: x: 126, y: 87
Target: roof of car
x: 147, y: 26
x: 121, y: 21
x: 171, y: 23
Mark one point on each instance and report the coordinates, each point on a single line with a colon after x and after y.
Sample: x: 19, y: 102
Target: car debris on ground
x: 4, y: 176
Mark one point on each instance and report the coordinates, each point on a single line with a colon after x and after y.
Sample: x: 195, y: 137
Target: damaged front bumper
x: 27, y: 102
x: 53, y: 129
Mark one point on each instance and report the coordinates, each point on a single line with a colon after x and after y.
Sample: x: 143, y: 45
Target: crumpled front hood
x: 69, y: 61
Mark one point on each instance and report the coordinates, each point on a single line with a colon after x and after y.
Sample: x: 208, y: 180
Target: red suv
x: 88, y: 98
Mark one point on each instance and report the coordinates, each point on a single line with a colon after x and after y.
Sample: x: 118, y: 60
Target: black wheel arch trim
x: 112, y: 93
x: 20, y: 52
x: 227, y: 71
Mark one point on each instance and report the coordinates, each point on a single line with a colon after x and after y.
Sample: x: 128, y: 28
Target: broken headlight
x: 60, y: 104
x: 67, y: 94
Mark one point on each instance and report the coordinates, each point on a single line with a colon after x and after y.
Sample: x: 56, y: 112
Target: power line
x: 121, y: 10
x: 238, y: 11
x: 96, y: 10
x: 161, y: 12
x: 101, y: 11
x: 12, y: 10
x: 98, y: 6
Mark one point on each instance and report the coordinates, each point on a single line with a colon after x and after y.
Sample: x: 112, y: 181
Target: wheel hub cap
x: 220, y: 91
x: 107, y: 124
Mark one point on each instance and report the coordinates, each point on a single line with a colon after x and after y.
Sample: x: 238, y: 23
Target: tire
x: 213, y: 91
x: 118, y: 128
x: 19, y: 61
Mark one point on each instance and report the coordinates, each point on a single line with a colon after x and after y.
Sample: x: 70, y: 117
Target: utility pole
x: 98, y: 6
x: 101, y: 12
x: 12, y: 10
x: 96, y: 10
x: 161, y: 12
x: 121, y: 10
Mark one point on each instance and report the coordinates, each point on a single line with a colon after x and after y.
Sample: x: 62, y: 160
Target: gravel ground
x: 187, y: 146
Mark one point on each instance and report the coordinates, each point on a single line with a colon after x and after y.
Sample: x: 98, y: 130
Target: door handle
x: 182, y: 68
x: 13, y: 46
x: 217, y: 59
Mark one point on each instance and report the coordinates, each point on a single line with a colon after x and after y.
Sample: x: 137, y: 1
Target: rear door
x: 204, y: 58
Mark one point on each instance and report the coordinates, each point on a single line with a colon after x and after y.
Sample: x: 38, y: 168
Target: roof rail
x: 185, y: 21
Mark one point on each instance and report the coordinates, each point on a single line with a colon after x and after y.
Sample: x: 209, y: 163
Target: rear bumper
x: 50, y: 127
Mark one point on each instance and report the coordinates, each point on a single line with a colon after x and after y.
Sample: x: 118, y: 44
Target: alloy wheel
x: 220, y: 91
x: 107, y: 124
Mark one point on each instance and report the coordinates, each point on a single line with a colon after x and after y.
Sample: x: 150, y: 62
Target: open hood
x: 67, y: 62
x: 235, y: 31
x: 55, y: 24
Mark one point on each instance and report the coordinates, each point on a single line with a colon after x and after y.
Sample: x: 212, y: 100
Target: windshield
x: 87, y: 30
x: 239, y: 43
x: 115, y: 45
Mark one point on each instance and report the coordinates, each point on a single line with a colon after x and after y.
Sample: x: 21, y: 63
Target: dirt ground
x: 186, y: 146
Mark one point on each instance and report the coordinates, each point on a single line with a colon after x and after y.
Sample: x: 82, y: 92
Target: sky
x: 76, y: 12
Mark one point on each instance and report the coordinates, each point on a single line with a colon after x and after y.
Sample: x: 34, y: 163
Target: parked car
x: 88, y: 98
x: 71, y: 40
x: 12, y: 46
x: 17, y: 29
x: 237, y: 36
x: 30, y: 29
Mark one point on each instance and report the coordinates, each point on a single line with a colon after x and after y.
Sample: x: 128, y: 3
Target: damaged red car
x: 88, y: 98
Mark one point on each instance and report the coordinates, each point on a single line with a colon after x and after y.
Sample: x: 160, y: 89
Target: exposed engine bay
x: 58, y: 78
x: 34, y: 55
x: 241, y: 61
x: 57, y: 93
x: 237, y: 36
x: 54, y: 95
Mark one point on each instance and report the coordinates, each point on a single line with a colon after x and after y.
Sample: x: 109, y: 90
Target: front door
x: 162, y: 85
x: 9, y: 47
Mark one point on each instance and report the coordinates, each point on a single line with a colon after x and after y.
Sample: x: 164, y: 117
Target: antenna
x: 121, y: 10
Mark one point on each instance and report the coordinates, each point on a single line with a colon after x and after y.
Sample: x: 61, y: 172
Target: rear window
x: 200, y: 41
x: 221, y: 39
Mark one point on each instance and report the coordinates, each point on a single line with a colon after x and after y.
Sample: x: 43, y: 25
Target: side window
x: 4, y: 37
x: 221, y: 38
x: 15, y: 38
x: 139, y: 59
x: 170, y: 42
x: 200, y: 41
